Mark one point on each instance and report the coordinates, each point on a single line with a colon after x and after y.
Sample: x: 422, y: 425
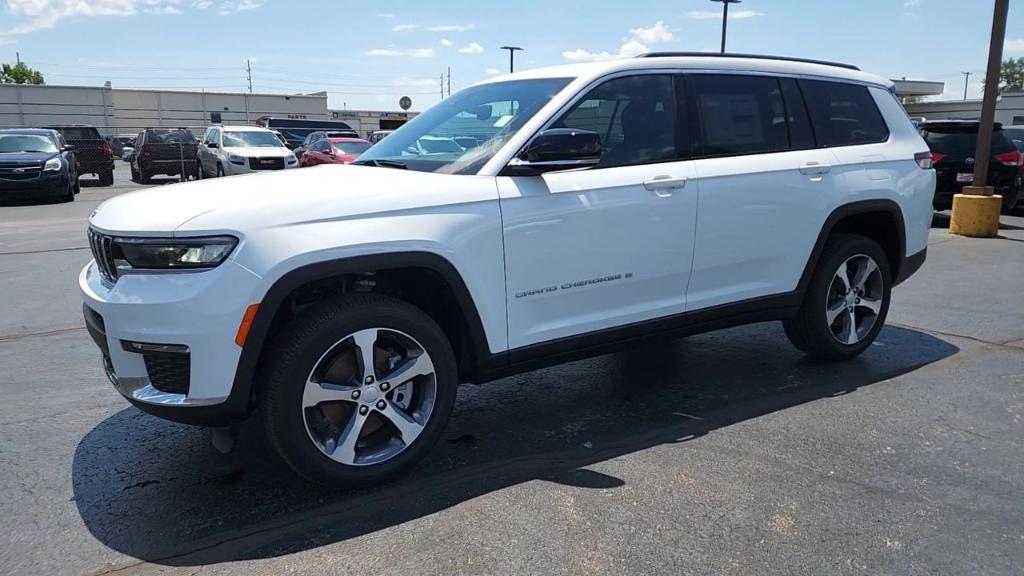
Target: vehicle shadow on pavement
x: 157, y: 491
x: 941, y: 220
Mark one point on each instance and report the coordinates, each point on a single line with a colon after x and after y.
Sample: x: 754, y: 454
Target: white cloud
x: 1014, y: 45
x: 634, y: 44
x: 226, y: 8
x: 411, y: 53
x: 404, y: 27
x: 447, y: 43
x: 471, y: 48
x: 385, y: 15
x: 492, y: 71
x: 202, y: 4
x: 161, y: 7
x: 452, y: 28
x: 43, y: 14
x: 911, y: 3
x: 733, y: 14
x: 660, y: 32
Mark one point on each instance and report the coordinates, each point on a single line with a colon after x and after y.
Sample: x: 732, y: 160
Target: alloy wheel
x: 369, y: 396
x: 854, y: 299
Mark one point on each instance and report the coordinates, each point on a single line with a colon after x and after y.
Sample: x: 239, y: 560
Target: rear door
x: 764, y: 185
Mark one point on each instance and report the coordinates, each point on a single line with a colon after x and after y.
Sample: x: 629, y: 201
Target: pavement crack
x: 1009, y: 344
x: 41, y: 334
x: 22, y: 253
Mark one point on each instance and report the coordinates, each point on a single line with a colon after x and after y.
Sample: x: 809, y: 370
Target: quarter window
x: 843, y: 114
x: 635, y: 117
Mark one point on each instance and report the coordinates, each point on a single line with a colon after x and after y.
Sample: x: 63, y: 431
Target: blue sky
x: 368, y: 54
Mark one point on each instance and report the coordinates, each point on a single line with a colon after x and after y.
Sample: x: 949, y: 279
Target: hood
x: 27, y: 158
x: 248, y: 152
x: 280, y: 198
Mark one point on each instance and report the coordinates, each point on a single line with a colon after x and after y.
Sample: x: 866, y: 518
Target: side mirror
x: 212, y: 145
x: 69, y: 148
x: 559, y: 149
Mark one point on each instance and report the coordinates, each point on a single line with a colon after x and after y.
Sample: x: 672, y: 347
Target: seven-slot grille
x: 265, y: 163
x: 102, y: 247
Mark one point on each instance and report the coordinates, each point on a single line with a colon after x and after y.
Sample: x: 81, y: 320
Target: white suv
x: 607, y: 205
x: 229, y: 150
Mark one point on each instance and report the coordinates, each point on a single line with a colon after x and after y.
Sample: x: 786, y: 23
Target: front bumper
x: 196, y: 311
x: 48, y: 185
x: 232, y: 169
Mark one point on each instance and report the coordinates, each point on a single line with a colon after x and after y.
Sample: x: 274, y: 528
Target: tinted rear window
x: 83, y: 133
x: 843, y: 114
x: 170, y: 137
x: 962, y: 140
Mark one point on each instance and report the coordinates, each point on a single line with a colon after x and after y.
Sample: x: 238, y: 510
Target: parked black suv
x: 92, y: 151
x: 953, y: 144
x: 165, y: 151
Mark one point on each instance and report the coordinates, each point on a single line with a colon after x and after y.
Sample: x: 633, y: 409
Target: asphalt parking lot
x: 726, y: 453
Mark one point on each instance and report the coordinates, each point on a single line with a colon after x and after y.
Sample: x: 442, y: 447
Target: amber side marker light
x: 243, y: 328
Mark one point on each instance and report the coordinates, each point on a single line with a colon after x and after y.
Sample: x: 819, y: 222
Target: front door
x: 611, y: 245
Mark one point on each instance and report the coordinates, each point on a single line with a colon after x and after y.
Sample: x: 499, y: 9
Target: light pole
x: 725, y: 17
x: 967, y: 76
x: 512, y: 56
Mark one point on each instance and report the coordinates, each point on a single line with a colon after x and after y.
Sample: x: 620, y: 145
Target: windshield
x: 14, y: 143
x: 489, y: 113
x: 351, y: 147
x: 170, y: 137
x: 252, y: 139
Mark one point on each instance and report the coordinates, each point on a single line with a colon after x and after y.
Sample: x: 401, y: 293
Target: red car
x: 334, y: 151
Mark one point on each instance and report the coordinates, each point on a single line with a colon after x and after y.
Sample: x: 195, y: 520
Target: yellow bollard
x: 976, y: 212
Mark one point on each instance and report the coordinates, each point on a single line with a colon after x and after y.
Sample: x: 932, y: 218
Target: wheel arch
x: 473, y: 359
x: 881, y: 220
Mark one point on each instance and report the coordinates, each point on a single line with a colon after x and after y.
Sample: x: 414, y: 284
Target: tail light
x: 1009, y: 158
x: 926, y: 159
x: 106, y: 150
x: 146, y: 150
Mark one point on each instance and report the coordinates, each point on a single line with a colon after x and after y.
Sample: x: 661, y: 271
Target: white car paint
x: 710, y: 238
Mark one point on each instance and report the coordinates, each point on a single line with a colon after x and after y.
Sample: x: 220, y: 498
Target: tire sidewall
x: 308, y: 343
x: 844, y: 247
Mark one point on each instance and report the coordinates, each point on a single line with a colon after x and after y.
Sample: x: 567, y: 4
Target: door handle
x: 664, y: 182
x: 815, y: 168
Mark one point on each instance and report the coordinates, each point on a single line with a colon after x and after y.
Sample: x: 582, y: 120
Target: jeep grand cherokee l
x: 607, y: 204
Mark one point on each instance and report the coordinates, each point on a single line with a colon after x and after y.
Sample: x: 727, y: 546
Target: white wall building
x: 1009, y: 109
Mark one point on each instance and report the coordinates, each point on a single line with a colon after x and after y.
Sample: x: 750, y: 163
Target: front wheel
x: 357, y: 389
x: 846, y: 302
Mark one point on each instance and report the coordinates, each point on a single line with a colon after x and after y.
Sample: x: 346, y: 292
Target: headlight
x: 236, y: 159
x: 52, y: 165
x: 292, y: 159
x: 173, y: 253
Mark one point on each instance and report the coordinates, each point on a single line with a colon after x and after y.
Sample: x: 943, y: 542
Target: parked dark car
x: 334, y: 151
x: 119, y: 142
x: 319, y: 135
x: 92, y: 152
x: 165, y: 151
x: 953, y: 144
x: 37, y: 163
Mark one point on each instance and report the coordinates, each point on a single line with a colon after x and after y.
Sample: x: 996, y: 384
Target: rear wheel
x: 107, y: 178
x: 1011, y: 196
x: 846, y: 301
x: 357, y: 389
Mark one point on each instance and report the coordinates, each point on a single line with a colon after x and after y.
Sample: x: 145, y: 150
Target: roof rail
x: 755, y: 56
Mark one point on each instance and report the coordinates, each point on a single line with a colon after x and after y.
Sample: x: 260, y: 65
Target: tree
x: 20, y: 74
x: 1011, y: 76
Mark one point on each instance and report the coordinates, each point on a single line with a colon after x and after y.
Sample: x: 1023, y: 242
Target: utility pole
x: 967, y: 76
x: 512, y: 57
x: 17, y: 58
x: 725, y: 17
x: 442, y: 86
x: 976, y: 208
x: 449, y: 81
x: 248, y: 72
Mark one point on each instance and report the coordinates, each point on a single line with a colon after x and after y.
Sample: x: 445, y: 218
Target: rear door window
x: 962, y: 141
x: 80, y: 133
x: 170, y: 137
x: 843, y: 114
x: 740, y: 114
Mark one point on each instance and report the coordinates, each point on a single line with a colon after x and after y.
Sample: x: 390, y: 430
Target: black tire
x: 1011, y: 196
x: 135, y: 174
x: 144, y: 175
x: 78, y: 185
x: 299, y: 347
x: 69, y: 194
x: 107, y: 178
x: 809, y: 331
x: 220, y: 170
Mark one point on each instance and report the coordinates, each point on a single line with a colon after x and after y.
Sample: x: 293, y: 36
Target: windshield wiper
x: 382, y: 163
